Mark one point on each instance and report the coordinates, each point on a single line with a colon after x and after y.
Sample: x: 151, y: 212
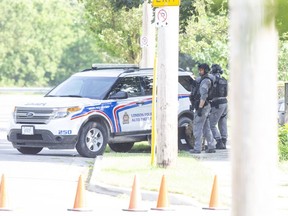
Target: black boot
x: 224, y: 141
x: 219, y: 144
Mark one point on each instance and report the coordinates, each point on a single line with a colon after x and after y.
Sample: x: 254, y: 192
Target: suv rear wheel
x: 29, y: 150
x: 185, y: 133
x: 93, y: 140
x: 121, y: 147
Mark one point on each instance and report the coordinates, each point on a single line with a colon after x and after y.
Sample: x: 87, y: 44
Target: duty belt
x: 218, y: 102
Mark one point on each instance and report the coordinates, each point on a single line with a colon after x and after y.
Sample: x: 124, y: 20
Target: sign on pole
x: 143, y: 41
x: 161, y: 17
x: 163, y: 3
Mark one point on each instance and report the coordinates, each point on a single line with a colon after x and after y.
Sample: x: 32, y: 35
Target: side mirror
x: 119, y: 95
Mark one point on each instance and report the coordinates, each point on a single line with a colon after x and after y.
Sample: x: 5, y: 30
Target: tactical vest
x: 195, y: 92
x: 220, y: 88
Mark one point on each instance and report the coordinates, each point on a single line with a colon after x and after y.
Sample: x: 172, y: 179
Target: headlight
x: 14, y: 113
x: 63, y: 112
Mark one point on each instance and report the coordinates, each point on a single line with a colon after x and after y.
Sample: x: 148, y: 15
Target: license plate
x: 27, y: 130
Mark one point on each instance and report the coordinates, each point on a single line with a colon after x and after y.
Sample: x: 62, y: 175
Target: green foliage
x: 283, y: 142
x: 282, y: 16
x: 117, y: 32
x: 36, y: 41
x: 206, y: 38
x: 127, y: 4
x: 282, y: 61
x: 219, y: 6
x: 187, y: 10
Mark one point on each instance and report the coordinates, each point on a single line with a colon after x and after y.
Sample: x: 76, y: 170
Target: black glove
x: 199, y: 112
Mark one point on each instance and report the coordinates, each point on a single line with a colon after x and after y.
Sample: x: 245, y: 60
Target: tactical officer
x: 199, y: 100
x: 218, y: 115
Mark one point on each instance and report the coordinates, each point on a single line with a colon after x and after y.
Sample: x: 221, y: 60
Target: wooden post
x: 253, y: 107
x: 167, y: 87
x: 148, y: 36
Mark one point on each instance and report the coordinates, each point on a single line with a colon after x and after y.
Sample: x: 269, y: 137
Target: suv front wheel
x: 29, y: 150
x: 93, y: 140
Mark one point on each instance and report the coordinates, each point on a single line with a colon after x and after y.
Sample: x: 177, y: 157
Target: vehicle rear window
x: 185, y: 81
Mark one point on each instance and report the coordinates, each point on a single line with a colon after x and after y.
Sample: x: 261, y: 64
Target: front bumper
x: 41, y: 138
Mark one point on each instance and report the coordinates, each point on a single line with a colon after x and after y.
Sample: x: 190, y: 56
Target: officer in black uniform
x: 218, y: 115
x: 199, y: 100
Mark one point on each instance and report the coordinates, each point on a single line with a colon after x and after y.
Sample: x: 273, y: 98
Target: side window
x: 147, y: 84
x: 131, y: 85
x: 186, y: 82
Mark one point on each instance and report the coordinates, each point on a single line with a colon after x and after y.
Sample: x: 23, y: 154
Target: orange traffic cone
x: 135, y: 197
x: 79, y: 203
x: 3, y: 195
x: 214, y: 203
x: 163, y: 202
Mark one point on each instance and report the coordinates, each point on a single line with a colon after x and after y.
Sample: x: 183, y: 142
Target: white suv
x: 98, y: 106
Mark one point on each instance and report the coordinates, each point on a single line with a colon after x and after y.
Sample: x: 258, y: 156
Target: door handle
x: 140, y: 102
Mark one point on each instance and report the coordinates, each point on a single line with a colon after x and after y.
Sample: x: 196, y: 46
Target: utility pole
x: 253, y: 106
x: 147, y: 40
x: 167, y: 21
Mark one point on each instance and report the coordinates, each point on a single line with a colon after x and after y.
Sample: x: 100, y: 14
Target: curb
x: 101, y: 188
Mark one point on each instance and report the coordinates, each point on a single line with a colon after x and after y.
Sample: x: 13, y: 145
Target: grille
x: 33, y: 116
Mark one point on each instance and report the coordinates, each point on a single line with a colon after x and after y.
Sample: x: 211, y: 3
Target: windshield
x: 86, y: 87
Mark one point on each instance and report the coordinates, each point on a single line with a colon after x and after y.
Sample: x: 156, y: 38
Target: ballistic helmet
x: 205, y: 67
x: 215, y: 68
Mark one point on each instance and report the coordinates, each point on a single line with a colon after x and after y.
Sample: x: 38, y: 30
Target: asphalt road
x: 46, y: 184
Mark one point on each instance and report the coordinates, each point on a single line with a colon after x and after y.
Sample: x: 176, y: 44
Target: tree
x: 117, y: 32
x: 28, y: 40
x: 282, y: 62
x: 206, y: 37
x: 44, y: 47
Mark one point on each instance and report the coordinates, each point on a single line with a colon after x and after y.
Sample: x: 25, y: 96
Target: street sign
x: 161, y: 17
x: 143, y: 41
x: 162, y: 3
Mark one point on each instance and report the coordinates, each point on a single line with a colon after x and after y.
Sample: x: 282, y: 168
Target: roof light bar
x: 113, y: 66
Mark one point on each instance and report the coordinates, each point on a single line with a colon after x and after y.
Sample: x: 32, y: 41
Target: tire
x: 121, y: 147
x: 29, y: 150
x: 93, y: 140
x: 185, y: 134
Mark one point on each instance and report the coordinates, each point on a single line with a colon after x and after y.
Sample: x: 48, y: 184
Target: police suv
x: 98, y: 106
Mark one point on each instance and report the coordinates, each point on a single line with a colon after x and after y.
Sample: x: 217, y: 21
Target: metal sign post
x: 147, y: 40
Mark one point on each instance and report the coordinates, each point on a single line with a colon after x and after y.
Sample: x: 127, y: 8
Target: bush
x: 283, y: 142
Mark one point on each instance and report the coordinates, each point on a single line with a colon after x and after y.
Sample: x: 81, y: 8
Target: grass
x: 188, y: 176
